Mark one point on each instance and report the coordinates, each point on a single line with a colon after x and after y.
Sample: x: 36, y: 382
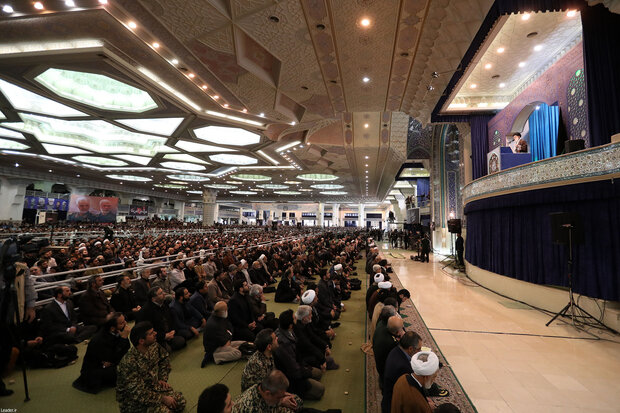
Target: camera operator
x: 17, y: 300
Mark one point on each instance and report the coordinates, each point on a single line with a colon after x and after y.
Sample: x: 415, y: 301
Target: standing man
x: 460, y: 248
x: 426, y: 248
x: 518, y: 144
x: 142, y: 384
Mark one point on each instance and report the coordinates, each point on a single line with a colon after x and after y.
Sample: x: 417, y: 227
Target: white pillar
x: 336, y: 215
x: 320, y: 214
x: 12, y: 193
x: 361, y: 219
x: 181, y: 209
x: 209, y: 207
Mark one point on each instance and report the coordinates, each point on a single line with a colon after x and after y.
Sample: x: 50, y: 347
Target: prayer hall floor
x: 503, y: 355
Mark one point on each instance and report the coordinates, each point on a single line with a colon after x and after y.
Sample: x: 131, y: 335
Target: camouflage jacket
x: 250, y: 401
x: 257, y: 368
x: 137, y: 383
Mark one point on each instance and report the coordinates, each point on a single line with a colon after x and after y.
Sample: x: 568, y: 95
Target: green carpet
x: 51, y: 390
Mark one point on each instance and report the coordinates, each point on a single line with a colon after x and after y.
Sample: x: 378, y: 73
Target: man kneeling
x: 142, y: 383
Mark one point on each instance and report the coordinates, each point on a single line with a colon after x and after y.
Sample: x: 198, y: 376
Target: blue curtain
x: 424, y: 190
x: 544, y: 123
x: 479, y: 144
x: 511, y: 235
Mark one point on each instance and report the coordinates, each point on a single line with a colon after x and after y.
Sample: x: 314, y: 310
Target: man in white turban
x: 409, y: 395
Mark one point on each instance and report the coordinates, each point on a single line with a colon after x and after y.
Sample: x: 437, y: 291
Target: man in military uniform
x: 142, y: 382
x: 261, y: 362
x: 269, y: 396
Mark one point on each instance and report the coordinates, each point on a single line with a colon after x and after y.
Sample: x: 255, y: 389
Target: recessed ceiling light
x: 521, y: 64
x: 49, y: 170
x: 293, y: 123
x: 7, y: 9
x: 103, y: 1
x: 365, y: 79
x: 502, y: 85
x: 473, y: 86
x: 156, y: 45
x: 225, y: 105
x: 191, y: 75
x: 538, y: 47
x: 571, y: 13
x: 216, y: 97
x: 500, y: 50
x: 525, y: 16
x: 366, y: 125
x: 244, y: 110
x: 365, y: 22
x: 483, y: 104
x: 16, y: 165
x: 174, y: 61
x: 366, y: 157
x: 262, y: 115
x: 133, y: 25
x: 69, y: 3
x: 205, y: 87
x: 38, y: 5
x: 488, y: 66
x: 366, y: 165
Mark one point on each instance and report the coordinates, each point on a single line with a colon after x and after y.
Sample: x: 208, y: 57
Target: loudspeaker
x: 561, y: 222
x: 454, y: 226
x: 574, y: 145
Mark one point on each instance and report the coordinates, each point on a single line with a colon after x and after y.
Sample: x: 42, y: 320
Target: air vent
x: 532, y: 34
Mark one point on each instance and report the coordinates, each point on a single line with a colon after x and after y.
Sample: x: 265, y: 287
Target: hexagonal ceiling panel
x: 231, y: 159
x: 98, y: 91
x: 23, y: 99
x: 227, y: 136
x: 158, y: 126
x: 94, y: 135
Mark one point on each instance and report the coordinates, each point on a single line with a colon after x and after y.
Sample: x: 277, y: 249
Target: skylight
x: 8, y: 144
x: 99, y: 91
x: 134, y: 178
x: 7, y: 133
x: 184, y: 166
x: 250, y: 177
x: 231, y: 159
x: 327, y: 186
x: 227, y: 136
x: 221, y: 186
x: 98, y: 160
x: 199, y: 147
x: 23, y: 99
x: 62, y: 149
x: 95, y: 135
x: 170, y: 186
x: 287, y: 192
x: 159, y: 126
x: 243, y: 192
x: 185, y: 158
x: 189, y: 178
x: 272, y: 186
x: 317, y: 177
x: 333, y: 193
x: 141, y: 160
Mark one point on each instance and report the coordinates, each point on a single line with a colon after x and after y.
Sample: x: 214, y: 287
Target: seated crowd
x: 179, y: 288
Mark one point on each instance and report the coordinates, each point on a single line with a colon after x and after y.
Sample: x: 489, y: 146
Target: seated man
x: 160, y: 316
x: 200, y: 300
x: 142, y: 286
x: 215, y: 399
x: 59, y: 320
x: 217, y: 337
x: 186, y: 319
x: 215, y: 288
x: 397, y: 364
x: 142, y: 383
x: 384, y: 341
x: 303, y: 379
x: 123, y: 299
x: 261, y: 363
x: 240, y: 314
x: 310, y: 348
x: 408, y: 394
x: 163, y: 281
x: 94, y: 305
x: 269, y: 396
x: 103, y: 354
x: 320, y: 323
x: 288, y: 291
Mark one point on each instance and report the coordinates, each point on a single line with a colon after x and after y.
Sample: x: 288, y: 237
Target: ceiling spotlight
x: 16, y: 165
x: 538, y: 48
x: 488, y: 66
x: 473, y: 86
x: 7, y: 9
x: 293, y: 123
x: 225, y: 105
x: 365, y: 79
x: 366, y: 157
x: 366, y: 165
x: 525, y: 16
x: 366, y: 125
x: 365, y: 22
x: 38, y: 5
x: 571, y: 13
x: 502, y: 85
x: 500, y: 50
x: 132, y: 25
x: 174, y: 61
x: 521, y: 64
x: 156, y: 45
x: 78, y: 175
x: 434, y: 75
x: 262, y: 115
x: 103, y: 1
x: 216, y: 97
x: 49, y: 170
x: 191, y: 75
x: 204, y: 87
x: 430, y: 88
x: 69, y: 3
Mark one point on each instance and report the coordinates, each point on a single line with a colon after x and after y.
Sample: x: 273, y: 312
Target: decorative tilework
x: 578, y: 108
x: 602, y: 160
x: 419, y: 140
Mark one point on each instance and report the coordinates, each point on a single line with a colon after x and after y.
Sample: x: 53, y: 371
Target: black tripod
x: 577, y: 314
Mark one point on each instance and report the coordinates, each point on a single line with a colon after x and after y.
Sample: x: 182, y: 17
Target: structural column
x: 12, y: 193
x: 320, y: 214
x: 209, y: 207
x: 360, y: 216
x: 336, y: 215
x: 181, y: 209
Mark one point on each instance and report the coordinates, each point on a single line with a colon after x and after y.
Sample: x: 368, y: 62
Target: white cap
x: 262, y: 257
x: 385, y: 285
x: 338, y: 267
x: 379, y: 277
x: 98, y: 243
x: 308, y: 297
x: 243, y: 262
x: 425, y: 368
x: 105, y: 241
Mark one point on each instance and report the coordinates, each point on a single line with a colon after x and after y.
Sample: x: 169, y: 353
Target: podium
x: 502, y: 158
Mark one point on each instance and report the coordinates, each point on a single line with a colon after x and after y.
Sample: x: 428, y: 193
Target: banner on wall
x: 137, y: 210
x: 92, y: 209
x: 43, y: 203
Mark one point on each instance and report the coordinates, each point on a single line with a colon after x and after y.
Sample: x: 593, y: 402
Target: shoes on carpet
x: 436, y: 391
x: 6, y: 392
x: 335, y: 324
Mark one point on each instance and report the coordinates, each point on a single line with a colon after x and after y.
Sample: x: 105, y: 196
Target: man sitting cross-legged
x: 142, y: 383
x: 261, y: 362
x: 217, y: 337
x: 269, y: 396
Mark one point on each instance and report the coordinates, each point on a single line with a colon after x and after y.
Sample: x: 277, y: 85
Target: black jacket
x: 310, y: 348
x: 124, y: 300
x: 159, y: 316
x: 141, y: 288
x: 396, y: 365
x: 54, y: 321
x: 285, y: 358
x: 239, y: 311
x: 104, y: 346
x: 218, y: 332
x: 287, y: 291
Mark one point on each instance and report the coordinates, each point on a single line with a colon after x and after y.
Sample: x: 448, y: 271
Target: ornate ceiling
x: 153, y: 89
